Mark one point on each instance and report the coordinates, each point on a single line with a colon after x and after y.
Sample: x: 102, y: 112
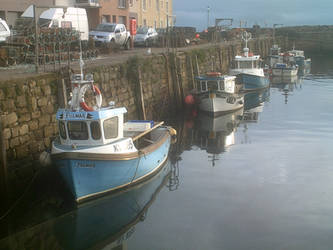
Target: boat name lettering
x: 85, y: 164
x: 78, y: 115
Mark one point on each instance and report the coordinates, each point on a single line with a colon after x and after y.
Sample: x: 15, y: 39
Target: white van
x: 4, y: 31
x: 75, y: 18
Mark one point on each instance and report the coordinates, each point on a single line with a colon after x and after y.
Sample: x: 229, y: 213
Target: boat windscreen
x: 77, y: 130
x: 111, y: 128
x: 245, y: 64
x: 213, y: 85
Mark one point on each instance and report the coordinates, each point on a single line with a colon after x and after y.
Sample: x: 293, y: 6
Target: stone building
x: 155, y: 13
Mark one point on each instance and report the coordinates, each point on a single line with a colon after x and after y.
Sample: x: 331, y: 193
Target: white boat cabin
x: 247, y: 61
x: 275, y: 50
x: 93, y: 128
x: 216, y: 84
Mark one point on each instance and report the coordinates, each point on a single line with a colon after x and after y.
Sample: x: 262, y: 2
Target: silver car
x: 145, y: 37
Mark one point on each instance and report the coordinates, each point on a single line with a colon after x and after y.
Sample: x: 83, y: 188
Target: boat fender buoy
x: 97, y: 94
x: 45, y: 159
x: 172, y: 131
x: 189, y: 100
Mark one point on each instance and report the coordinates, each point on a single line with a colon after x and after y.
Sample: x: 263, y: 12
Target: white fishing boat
x: 247, y: 68
x: 217, y: 94
x: 284, y: 70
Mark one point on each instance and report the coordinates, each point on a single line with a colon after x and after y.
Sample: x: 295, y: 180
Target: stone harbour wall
x: 28, y: 106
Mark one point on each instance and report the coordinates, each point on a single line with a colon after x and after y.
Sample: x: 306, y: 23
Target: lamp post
x: 208, y: 11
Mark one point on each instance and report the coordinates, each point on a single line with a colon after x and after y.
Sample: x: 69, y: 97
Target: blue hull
x: 253, y: 82
x: 88, y: 178
x: 109, y: 220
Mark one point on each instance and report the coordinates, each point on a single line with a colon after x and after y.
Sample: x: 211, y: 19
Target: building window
x: 161, y: 5
x: 122, y: 19
x: 161, y: 24
x: 77, y: 130
x: 105, y: 18
x: 111, y: 128
x: 158, y: 5
x: 167, y: 7
x: 122, y: 4
x: 114, y: 19
x: 131, y: 3
x: 144, y: 4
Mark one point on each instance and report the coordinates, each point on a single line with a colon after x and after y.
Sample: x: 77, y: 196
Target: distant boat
x: 247, y: 68
x: 274, y: 56
x: 218, y: 94
x: 96, y: 152
x: 284, y: 70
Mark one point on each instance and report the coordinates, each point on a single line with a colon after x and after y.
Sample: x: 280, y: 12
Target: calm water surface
x: 260, y: 178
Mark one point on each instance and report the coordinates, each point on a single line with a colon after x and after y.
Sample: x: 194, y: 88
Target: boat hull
x: 284, y: 72
x: 252, y: 82
x: 89, y: 175
x: 220, y: 103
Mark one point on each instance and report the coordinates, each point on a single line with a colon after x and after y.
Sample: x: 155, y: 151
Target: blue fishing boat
x: 96, y: 152
x: 247, y: 68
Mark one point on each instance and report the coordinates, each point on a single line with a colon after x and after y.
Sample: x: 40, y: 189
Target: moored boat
x: 284, y: 70
x: 96, y: 152
x: 217, y: 93
x: 247, y: 68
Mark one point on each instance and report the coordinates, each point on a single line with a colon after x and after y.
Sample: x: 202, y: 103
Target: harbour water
x: 259, y: 178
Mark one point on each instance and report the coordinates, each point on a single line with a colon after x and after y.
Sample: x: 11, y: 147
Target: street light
x: 208, y: 10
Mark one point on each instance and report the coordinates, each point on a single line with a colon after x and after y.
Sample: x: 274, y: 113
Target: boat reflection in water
x: 286, y: 85
x: 109, y: 221
x: 254, y: 104
x: 103, y: 223
x: 215, y: 134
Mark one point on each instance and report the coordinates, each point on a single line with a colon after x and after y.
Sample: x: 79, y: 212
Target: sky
x: 262, y: 12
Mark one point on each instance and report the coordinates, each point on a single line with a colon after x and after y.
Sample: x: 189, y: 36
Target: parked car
x: 111, y: 33
x: 4, y: 31
x: 145, y: 37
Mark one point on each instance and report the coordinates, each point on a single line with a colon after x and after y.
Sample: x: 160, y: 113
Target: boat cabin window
x: 213, y: 85
x: 77, y: 130
x: 203, y: 86
x: 245, y: 64
x: 62, y: 130
x: 111, y: 128
x: 95, y: 130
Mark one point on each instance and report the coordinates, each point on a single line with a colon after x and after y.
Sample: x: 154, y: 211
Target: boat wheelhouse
x: 275, y: 56
x: 247, y: 68
x: 96, y: 152
x: 217, y: 94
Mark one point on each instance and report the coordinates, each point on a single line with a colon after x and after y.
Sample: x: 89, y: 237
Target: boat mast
x: 246, y: 36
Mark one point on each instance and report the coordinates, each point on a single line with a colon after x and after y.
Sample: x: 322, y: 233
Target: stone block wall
x: 28, y: 106
x: 28, y: 115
